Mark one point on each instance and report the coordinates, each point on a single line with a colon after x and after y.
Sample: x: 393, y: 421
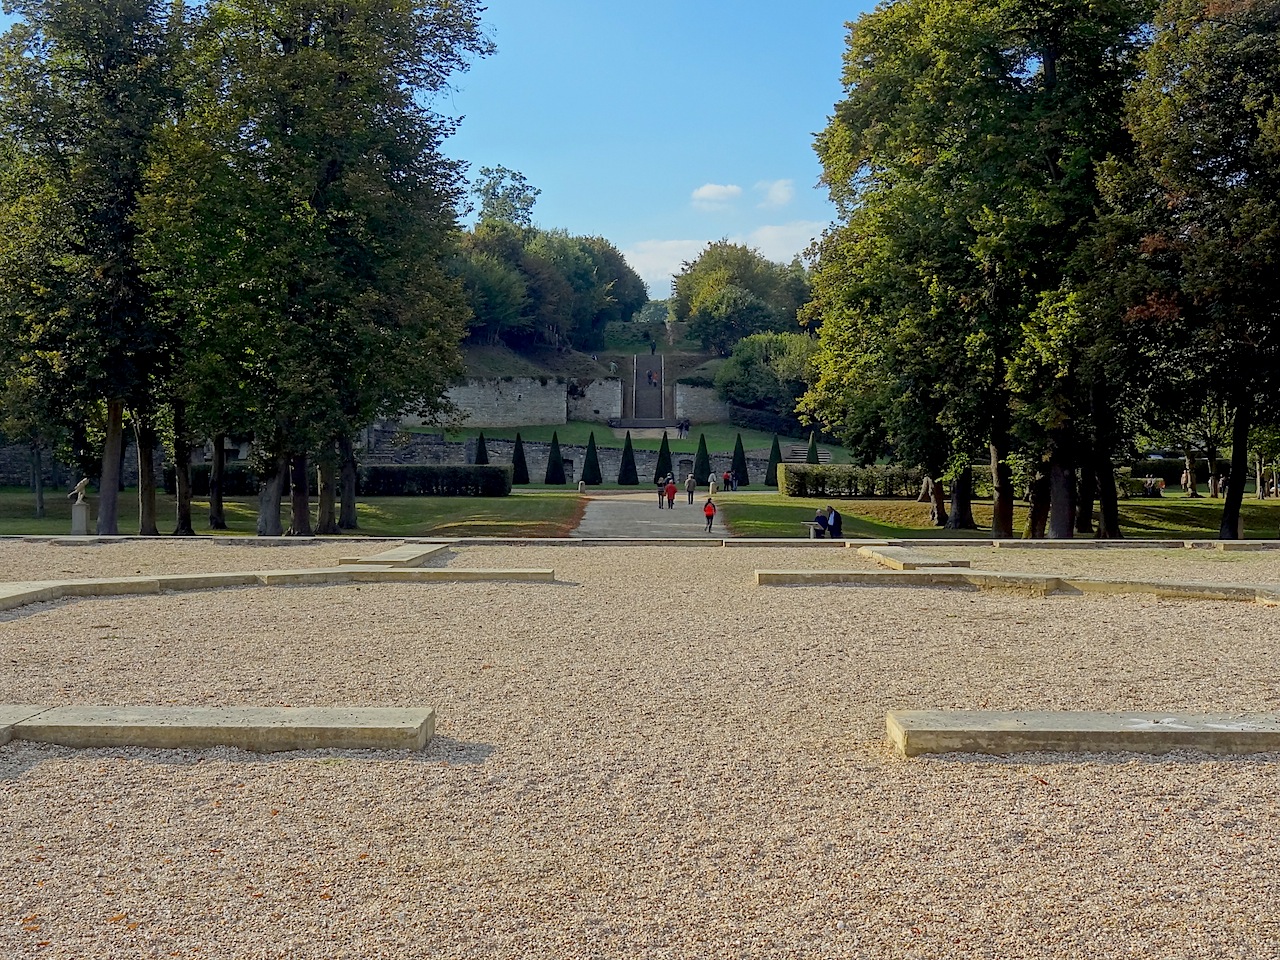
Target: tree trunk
x: 1108, y: 502
x: 1001, y: 487
x: 37, y: 479
x: 109, y: 488
x: 269, y: 494
x: 1038, y: 515
x: 962, y: 502
x: 1231, y: 528
x: 182, y: 471
x: 347, y: 513
x: 1062, y: 485
x: 326, y: 517
x: 1189, y: 457
x: 1260, y: 485
x: 299, y: 498
x: 217, y: 466
x: 1211, y: 454
x: 936, y: 494
x: 926, y: 491
x: 1084, y: 499
x: 144, y: 437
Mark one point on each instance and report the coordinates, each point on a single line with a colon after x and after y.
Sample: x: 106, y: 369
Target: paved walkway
x: 637, y: 515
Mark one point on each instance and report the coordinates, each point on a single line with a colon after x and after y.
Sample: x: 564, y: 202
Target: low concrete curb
x: 259, y: 729
x: 916, y: 732
x: 1036, y: 584
x: 410, y: 555
x: 901, y: 558
x: 13, y: 714
x: 15, y: 595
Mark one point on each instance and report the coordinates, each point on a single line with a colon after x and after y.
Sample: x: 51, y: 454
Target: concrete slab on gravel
x: 260, y: 729
x: 13, y: 714
x: 902, y: 558
x: 410, y: 555
x: 916, y: 732
x: 804, y: 542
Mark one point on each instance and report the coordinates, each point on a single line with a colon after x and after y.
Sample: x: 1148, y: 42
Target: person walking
x: 709, y: 511
x: 690, y: 485
x: 662, y: 491
x: 671, y: 491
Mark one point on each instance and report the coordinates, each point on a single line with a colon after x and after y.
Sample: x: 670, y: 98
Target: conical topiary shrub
x: 627, y: 476
x: 591, y: 465
x: 664, y: 459
x: 519, y: 468
x: 811, y: 455
x: 482, y: 452
x: 775, y: 458
x: 702, y: 460
x: 555, y: 463
x: 740, y: 462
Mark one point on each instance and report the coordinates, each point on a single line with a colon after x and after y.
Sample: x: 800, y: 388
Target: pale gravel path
x: 1126, y: 563
x: 41, y: 560
x: 712, y: 783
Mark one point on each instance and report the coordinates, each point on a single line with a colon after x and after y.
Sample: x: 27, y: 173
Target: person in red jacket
x: 709, y: 511
x: 671, y: 492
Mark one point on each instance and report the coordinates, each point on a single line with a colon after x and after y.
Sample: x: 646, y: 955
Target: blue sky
x: 661, y: 125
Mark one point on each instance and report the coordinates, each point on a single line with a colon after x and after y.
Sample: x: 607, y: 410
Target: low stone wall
x: 595, y: 401
x: 700, y: 405
x: 15, y: 468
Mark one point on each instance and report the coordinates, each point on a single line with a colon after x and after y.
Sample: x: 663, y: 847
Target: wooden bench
x: 816, y: 532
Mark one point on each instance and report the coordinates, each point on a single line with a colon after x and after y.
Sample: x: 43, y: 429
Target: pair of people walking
x: 667, y: 491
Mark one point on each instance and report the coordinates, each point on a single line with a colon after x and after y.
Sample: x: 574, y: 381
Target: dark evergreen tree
x: 482, y: 452
x: 627, y: 475
x: 555, y: 463
x: 775, y: 458
x: 664, y: 459
x: 702, y: 460
x: 740, y: 462
x: 811, y: 455
x: 591, y: 465
x: 519, y: 468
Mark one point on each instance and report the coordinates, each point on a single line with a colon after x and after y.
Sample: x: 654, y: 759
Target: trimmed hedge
x: 238, y: 480
x: 842, y: 481
x: 765, y: 421
x: 434, y: 480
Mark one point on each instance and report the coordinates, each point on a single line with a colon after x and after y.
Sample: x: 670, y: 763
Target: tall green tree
x: 702, y: 461
x: 84, y: 86
x: 299, y: 217
x: 963, y: 163
x: 505, y: 195
x: 555, y: 463
x: 1206, y: 118
x: 740, y: 462
x: 482, y: 452
x: 775, y: 458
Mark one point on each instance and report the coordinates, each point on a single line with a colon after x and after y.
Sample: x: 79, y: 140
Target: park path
x: 648, y: 403
x: 637, y: 515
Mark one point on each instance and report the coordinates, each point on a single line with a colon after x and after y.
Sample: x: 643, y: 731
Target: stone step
x: 902, y: 558
x: 916, y: 732
x: 409, y: 555
x: 258, y: 729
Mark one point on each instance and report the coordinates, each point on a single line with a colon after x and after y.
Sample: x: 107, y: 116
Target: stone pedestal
x: 80, y: 519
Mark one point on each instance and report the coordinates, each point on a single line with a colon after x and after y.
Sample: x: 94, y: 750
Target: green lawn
x: 540, y: 513
x: 773, y: 515
x: 720, y: 438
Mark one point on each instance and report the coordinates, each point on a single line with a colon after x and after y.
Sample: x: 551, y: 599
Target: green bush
x: 482, y: 452
x: 663, y: 466
x: 740, y: 463
x: 555, y: 463
x: 702, y: 460
x: 519, y: 466
x: 842, y: 481
x: 627, y: 475
x: 591, y: 465
x: 434, y: 480
x: 775, y: 458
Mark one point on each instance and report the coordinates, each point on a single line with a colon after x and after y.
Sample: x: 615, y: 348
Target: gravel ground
x: 42, y: 560
x: 1126, y: 563
x: 651, y: 758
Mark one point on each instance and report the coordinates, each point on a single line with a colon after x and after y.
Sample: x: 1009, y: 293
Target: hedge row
x: 766, y: 422
x: 434, y: 480
x: 376, y: 480
x: 846, y: 480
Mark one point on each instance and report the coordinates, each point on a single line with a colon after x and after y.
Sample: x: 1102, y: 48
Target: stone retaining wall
x: 700, y: 405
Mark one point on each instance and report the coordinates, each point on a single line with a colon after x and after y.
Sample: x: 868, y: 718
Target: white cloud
x: 781, y: 242
x: 717, y: 192
x: 777, y: 193
x: 657, y: 261
x: 715, y: 196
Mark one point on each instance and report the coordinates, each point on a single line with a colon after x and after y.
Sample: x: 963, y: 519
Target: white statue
x: 77, y: 492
